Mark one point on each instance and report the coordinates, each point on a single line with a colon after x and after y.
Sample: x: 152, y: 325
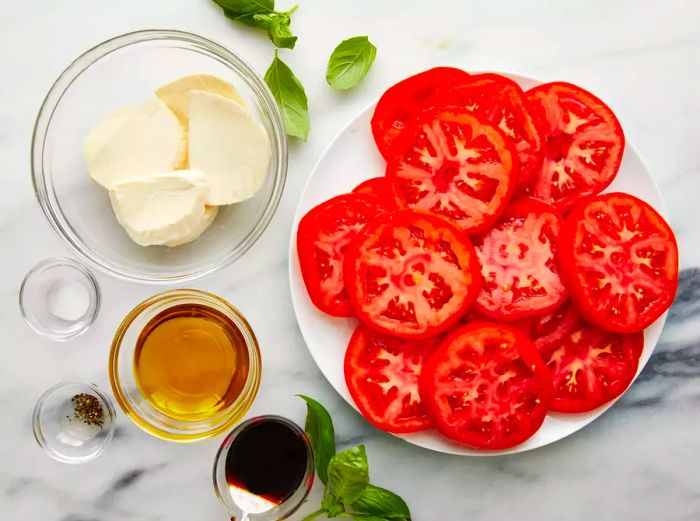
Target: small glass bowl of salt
x: 59, y: 298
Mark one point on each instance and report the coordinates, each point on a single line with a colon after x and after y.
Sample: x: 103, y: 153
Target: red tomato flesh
x: 411, y: 274
x: 548, y: 331
x: 591, y: 366
x: 323, y: 234
x: 451, y: 162
x: 383, y: 188
x: 401, y: 103
x: 382, y: 374
x: 584, y: 143
x: 501, y: 101
x: 620, y: 261
x: 486, y: 386
x: 520, y: 263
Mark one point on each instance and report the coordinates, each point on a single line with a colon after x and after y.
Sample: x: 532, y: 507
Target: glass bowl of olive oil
x: 184, y: 365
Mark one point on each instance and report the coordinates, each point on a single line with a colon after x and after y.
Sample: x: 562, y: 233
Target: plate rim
x: 459, y: 449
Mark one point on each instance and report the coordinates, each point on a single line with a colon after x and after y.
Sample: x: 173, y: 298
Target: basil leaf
x: 277, y: 27
x: 243, y: 7
x: 247, y: 19
x: 290, y: 96
x: 331, y: 504
x: 348, y: 473
x: 350, y: 62
x: 319, y: 429
x: 365, y: 517
x: 381, y: 502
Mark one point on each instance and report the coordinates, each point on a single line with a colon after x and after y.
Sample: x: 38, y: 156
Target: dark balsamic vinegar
x: 268, y: 460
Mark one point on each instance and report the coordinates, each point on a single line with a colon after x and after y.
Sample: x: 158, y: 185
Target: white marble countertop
x: 640, y: 461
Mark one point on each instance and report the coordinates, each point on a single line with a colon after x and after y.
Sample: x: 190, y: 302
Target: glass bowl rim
x: 72, y: 72
x: 39, y: 434
x: 50, y: 263
x: 242, y: 403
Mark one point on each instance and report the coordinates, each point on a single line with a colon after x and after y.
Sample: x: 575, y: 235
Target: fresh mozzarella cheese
x: 163, y: 209
x: 175, y: 94
x: 210, y: 213
x: 103, y: 131
x: 145, y: 140
x: 228, y: 146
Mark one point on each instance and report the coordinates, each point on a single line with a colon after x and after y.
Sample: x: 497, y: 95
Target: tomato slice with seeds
x: 383, y: 188
x: 451, y: 162
x: 382, y: 374
x: 401, y: 103
x: 501, y: 101
x: 520, y: 262
x: 619, y: 259
x: 486, y: 386
x: 584, y: 143
x: 323, y: 234
x: 592, y: 366
x: 411, y: 274
x: 548, y: 331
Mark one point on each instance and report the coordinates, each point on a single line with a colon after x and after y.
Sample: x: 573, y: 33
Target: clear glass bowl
x: 126, y: 389
x: 59, y: 298
x: 63, y: 436
x: 262, y: 512
x: 125, y: 71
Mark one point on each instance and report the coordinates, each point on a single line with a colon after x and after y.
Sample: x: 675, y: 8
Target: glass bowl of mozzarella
x: 159, y: 156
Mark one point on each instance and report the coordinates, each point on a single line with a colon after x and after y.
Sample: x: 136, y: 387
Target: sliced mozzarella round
x: 144, y: 140
x: 163, y: 209
x: 228, y: 146
x: 175, y: 94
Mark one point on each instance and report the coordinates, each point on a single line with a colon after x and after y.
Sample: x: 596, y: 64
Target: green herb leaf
x: 350, y: 62
x: 381, y: 502
x: 331, y: 504
x: 243, y: 7
x: 319, y: 429
x: 348, y: 473
x: 277, y: 27
x: 291, y: 98
x: 247, y: 19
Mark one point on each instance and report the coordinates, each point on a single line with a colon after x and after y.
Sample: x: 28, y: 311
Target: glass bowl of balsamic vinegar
x: 185, y: 365
x: 264, y: 469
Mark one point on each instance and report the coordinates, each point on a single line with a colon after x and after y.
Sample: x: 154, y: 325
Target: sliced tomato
x: 402, y: 102
x: 453, y: 163
x: 383, y: 188
x: 411, y: 274
x: 382, y: 373
x: 548, y: 331
x: 591, y: 366
x: 323, y: 234
x: 486, y: 386
x: 584, y: 143
x: 520, y: 262
x: 619, y: 259
x: 502, y: 102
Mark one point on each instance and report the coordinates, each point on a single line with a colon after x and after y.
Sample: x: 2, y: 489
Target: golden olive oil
x: 191, y: 361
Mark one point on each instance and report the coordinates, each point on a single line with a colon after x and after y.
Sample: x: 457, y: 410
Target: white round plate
x: 351, y: 158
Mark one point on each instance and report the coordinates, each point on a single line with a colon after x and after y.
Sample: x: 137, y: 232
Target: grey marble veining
x: 640, y: 461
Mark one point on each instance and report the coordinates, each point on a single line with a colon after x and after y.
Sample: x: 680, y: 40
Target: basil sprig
x: 348, y: 492
x: 262, y: 14
x: 350, y: 62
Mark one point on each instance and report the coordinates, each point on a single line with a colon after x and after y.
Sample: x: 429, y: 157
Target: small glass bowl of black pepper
x: 264, y: 469
x: 73, y: 422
